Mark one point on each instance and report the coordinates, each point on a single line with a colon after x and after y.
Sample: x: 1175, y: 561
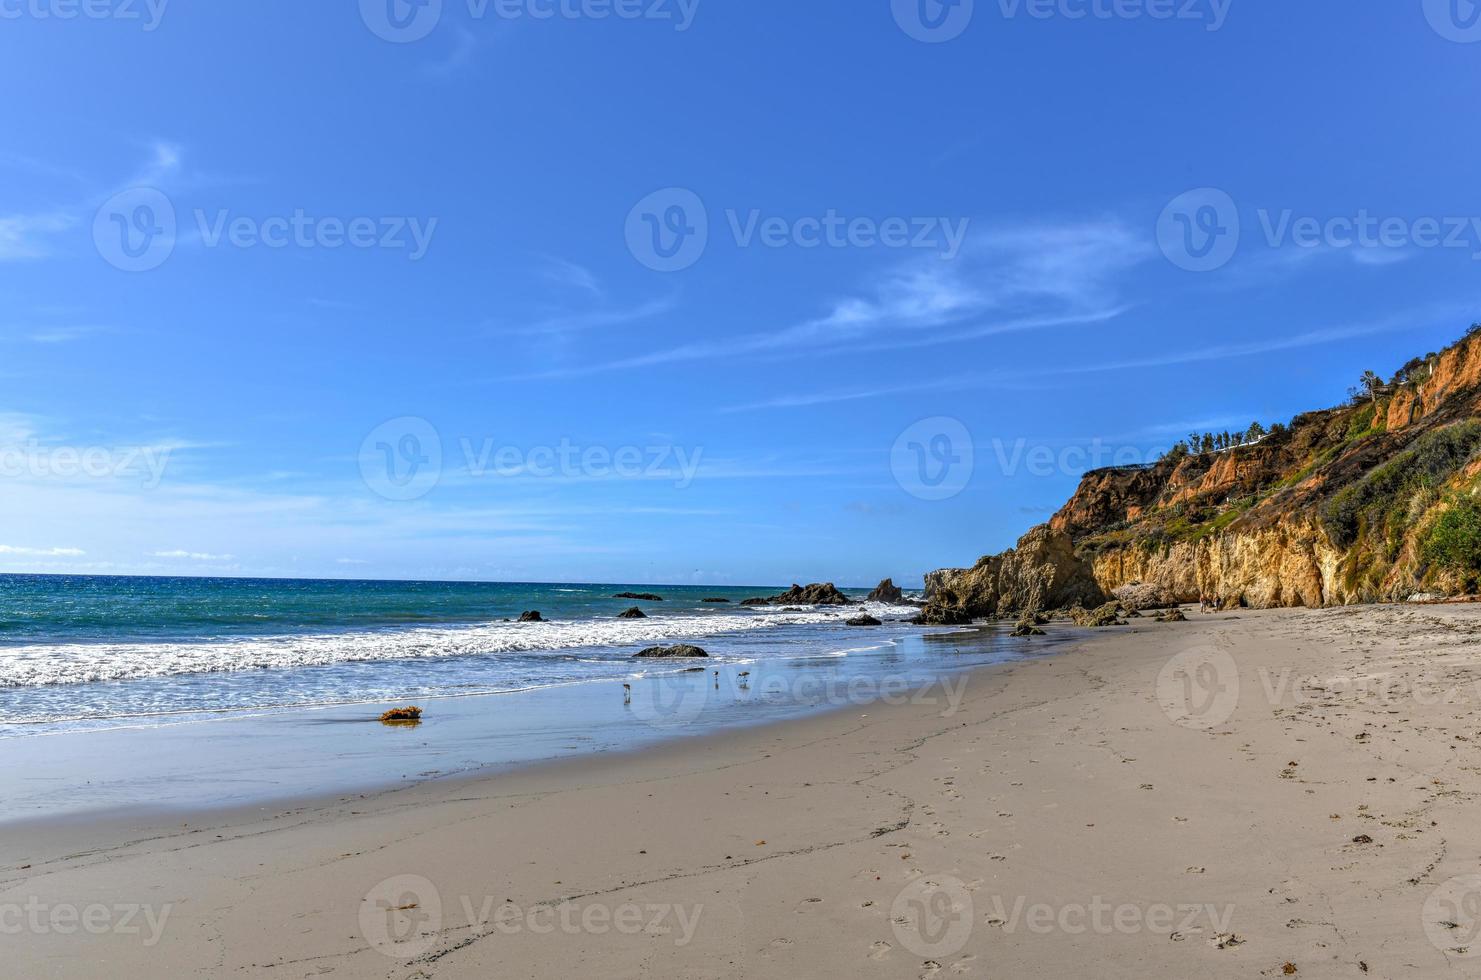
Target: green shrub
x: 1378, y: 503
x: 1454, y: 542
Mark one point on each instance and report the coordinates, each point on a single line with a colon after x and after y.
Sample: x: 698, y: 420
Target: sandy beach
x: 1246, y: 794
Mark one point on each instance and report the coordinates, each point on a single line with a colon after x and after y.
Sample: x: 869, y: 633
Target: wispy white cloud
x: 7, y: 549
x: 191, y: 555
x: 575, y: 322
x: 30, y: 235
x: 1029, y: 277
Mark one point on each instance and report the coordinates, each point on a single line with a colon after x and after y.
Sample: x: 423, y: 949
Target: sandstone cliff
x: 1372, y: 501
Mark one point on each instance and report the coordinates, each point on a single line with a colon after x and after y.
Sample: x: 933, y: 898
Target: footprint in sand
x: 880, y: 950
x: 929, y: 969
x: 963, y: 965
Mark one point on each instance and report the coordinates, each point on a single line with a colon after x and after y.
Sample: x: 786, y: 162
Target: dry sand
x: 1303, y: 780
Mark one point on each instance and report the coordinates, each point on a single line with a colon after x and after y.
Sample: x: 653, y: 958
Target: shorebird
x: 627, y: 694
x: 717, y: 680
x: 745, y: 678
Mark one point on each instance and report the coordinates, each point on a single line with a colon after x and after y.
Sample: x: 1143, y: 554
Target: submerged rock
x: 886, y: 591
x: 533, y: 616
x: 640, y: 596
x: 865, y: 620
x: 675, y: 652
x: 633, y: 613
x: 714, y: 600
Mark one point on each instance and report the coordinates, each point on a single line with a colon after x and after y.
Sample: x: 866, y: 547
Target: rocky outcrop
x: 633, y: 613
x: 533, y: 616
x: 714, y: 600
x: 865, y: 620
x: 817, y: 594
x: 639, y: 596
x: 887, y: 591
x: 1375, y: 500
x: 1043, y: 572
x: 679, y: 651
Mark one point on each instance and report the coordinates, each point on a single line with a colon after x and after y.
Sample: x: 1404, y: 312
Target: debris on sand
x: 1225, y: 940
x: 402, y: 716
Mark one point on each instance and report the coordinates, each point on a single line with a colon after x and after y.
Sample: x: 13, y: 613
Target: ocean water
x: 84, y: 652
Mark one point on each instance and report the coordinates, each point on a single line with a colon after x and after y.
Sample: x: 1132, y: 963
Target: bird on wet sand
x: 627, y: 694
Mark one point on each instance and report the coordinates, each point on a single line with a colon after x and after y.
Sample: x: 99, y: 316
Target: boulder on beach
x: 633, y: 613
x: 1027, y: 628
x: 864, y: 620
x: 817, y: 594
x: 1144, y: 595
x: 934, y: 614
x: 640, y: 596
x: 676, y: 652
x: 886, y: 591
x: 1106, y: 615
x: 1174, y: 615
x: 533, y: 616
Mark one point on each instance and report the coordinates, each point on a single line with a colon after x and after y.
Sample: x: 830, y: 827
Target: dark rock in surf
x: 532, y: 616
x: 675, y: 652
x: 865, y: 620
x: 639, y: 596
x: 886, y: 591
x: 633, y: 613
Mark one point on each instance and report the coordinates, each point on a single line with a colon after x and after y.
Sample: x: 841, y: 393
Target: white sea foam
x: 43, y: 664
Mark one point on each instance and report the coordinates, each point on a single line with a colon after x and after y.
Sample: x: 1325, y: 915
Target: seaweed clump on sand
x: 402, y: 716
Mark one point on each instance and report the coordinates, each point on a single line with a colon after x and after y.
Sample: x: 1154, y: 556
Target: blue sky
x: 919, y: 274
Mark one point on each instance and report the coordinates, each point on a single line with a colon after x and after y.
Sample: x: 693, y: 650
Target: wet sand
x: 1245, y: 794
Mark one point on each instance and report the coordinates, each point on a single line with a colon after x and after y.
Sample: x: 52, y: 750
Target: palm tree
x: 1371, y: 382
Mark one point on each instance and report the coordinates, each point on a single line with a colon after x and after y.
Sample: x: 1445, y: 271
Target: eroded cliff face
x: 1334, y: 509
